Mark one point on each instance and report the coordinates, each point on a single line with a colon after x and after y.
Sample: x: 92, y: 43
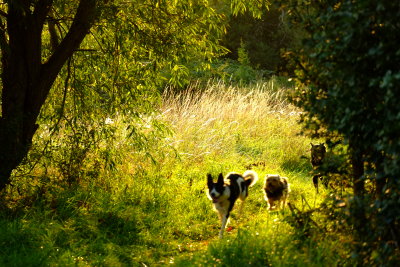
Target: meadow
x: 150, y: 208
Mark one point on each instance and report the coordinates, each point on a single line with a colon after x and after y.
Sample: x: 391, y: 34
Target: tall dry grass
x: 253, y: 123
x: 219, y: 101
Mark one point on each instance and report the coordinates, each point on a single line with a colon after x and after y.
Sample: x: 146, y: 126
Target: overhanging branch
x: 83, y: 21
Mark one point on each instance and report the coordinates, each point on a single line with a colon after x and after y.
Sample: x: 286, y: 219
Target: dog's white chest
x: 222, y: 206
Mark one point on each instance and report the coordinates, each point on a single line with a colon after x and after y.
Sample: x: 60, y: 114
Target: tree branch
x: 81, y: 25
x: 53, y: 32
x: 41, y: 9
x: 83, y: 21
x: 48, y: 72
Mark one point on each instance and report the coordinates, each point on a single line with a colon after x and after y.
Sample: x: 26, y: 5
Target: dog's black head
x: 215, y: 190
x: 317, y: 154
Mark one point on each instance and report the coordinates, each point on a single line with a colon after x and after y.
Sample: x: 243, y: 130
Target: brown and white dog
x: 276, y: 189
x: 225, y: 192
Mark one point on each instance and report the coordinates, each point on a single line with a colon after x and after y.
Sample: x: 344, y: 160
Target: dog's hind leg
x: 241, y: 209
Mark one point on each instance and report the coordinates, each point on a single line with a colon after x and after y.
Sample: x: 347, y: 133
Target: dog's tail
x: 251, y: 175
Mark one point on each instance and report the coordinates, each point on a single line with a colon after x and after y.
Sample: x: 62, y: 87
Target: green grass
x: 145, y: 214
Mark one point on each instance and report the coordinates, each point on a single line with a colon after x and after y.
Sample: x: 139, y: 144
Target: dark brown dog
x: 276, y: 191
x: 317, y: 159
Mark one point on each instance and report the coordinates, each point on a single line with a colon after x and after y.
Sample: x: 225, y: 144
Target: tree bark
x: 358, y: 173
x: 358, y: 212
x: 26, y: 80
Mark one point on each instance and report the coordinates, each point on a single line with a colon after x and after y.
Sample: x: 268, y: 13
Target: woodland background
x: 113, y: 112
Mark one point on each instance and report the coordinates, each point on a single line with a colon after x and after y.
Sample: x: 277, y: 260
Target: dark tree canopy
x: 264, y: 38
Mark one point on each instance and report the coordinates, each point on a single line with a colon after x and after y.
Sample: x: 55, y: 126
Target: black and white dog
x: 225, y: 192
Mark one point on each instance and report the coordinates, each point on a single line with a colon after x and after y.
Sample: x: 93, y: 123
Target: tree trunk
x: 358, y: 212
x: 358, y: 173
x: 26, y: 80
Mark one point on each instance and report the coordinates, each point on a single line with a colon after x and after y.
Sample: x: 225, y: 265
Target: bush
x: 349, y: 84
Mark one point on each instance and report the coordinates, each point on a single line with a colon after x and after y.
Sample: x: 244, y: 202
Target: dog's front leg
x: 315, y: 182
x: 271, y: 205
x: 224, y: 220
x: 285, y: 196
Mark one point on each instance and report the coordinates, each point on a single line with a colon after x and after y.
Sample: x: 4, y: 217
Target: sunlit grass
x: 146, y: 214
x: 221, y: 121
x: 224, y: 128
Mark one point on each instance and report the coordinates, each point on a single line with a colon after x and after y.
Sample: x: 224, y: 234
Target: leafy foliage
x: 350, y: 85
x: 133, y: 49
x: 265, y: 38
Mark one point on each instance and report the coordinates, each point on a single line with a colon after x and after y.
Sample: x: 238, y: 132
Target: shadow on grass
x: 296, y: 165
x: 19, y: 246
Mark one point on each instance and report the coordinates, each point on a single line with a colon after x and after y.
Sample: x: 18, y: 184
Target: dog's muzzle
x: 214, y: 199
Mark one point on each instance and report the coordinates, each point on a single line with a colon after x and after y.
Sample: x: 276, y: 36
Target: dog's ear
x: 209, y: 180
x: 220, y: 179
